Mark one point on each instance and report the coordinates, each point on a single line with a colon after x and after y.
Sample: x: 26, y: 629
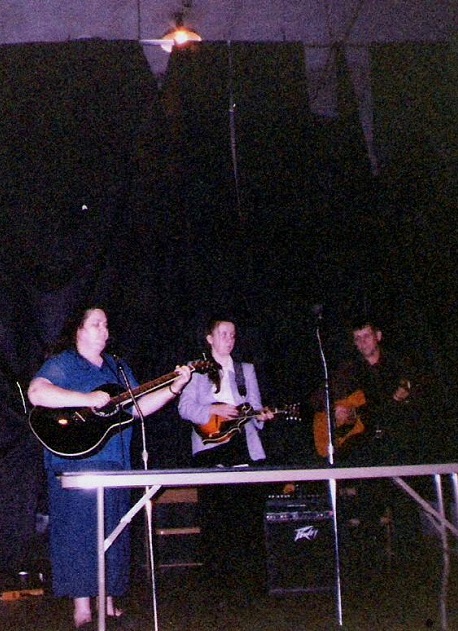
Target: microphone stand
x: 327, y: 402
x: 332, y: 483
x: 148, y: 505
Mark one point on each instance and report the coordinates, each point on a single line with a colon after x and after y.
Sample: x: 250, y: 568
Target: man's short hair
x: 362, y: 322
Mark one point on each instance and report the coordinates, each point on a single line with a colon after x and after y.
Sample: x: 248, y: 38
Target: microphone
x: 117, y: 360
x: 317, y: 311
x: 122, y: 372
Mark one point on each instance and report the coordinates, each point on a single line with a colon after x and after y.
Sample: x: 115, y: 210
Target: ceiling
x: 318, y: 24
x: 314, y: 22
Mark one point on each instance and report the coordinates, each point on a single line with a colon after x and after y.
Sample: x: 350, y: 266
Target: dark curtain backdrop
x: 416, y: 113
x: 222, y: 193
x: 82, y: 159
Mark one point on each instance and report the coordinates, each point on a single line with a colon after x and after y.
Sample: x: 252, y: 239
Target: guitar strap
x: 240, y: 379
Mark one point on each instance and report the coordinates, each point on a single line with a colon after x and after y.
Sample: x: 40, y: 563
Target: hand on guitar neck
x: 226, y: 412
x: 266, y: 414
x: 403, y: 391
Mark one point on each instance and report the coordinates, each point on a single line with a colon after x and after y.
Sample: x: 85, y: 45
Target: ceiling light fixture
x: 180, y: 35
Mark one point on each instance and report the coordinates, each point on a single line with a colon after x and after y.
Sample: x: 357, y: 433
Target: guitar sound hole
x: 107, y: 411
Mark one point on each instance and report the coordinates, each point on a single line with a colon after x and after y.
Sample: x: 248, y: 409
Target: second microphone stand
x: 332, y: 482
x: 148, y: 504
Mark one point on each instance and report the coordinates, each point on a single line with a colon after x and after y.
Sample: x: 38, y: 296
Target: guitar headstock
x: 203, y: 366
x: 292, y: 412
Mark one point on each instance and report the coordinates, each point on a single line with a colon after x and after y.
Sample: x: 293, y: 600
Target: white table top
x: 243, y: 475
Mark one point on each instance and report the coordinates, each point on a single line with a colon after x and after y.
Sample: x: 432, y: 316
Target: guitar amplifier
x: 300, y: 544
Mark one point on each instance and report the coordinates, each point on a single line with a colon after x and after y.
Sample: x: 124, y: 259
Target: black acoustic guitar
x: 77, y: 432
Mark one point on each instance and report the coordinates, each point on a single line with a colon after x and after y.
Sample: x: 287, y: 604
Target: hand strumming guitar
x: 344, y: 415
x: 225, y: 410
x: 98, y: 399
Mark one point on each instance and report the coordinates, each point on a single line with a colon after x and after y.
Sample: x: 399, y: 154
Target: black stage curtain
x: 267, y: 225
x: 223, y: 193
x: 82, y: 160
x: 416, y: 108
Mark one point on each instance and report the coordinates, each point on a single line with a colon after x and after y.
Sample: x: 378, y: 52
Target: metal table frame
x: 153, y: 480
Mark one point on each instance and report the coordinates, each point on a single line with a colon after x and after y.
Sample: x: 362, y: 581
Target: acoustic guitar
x: 219, y: 430
x: 77, y: 432
x: 344, y: 432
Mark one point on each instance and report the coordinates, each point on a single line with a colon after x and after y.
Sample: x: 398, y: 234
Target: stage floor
x: 379, y: 593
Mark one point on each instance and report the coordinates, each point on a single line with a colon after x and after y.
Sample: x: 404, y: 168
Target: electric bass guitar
x: 77, y: 432
x: 344, y: 432
x: 219, y: 430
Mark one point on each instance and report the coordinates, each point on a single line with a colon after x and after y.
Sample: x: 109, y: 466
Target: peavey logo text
x: 307, y: 532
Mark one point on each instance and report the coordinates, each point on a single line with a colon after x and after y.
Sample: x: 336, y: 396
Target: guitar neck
x: 145, y: 388
x: 254, y: 413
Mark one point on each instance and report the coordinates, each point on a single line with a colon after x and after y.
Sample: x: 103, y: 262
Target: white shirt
x: 225, y: 394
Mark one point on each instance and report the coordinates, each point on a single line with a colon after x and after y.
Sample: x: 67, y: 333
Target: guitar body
x: 344, y: 433
x: 219, y: 430
x: 77, y: 432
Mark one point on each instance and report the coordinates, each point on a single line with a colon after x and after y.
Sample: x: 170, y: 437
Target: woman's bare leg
x: 82, y: 611
x: 111, y: 609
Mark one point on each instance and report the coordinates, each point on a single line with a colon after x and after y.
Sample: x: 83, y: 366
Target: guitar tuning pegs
x: 296, y: 411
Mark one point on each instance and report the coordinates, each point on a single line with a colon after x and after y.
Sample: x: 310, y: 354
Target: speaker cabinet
x: 300, y: 545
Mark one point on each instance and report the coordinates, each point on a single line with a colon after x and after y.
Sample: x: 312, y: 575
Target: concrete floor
x: 378, y: 593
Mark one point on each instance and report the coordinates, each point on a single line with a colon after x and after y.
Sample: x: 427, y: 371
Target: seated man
x: 381, y: 403
x: 381, y: 410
